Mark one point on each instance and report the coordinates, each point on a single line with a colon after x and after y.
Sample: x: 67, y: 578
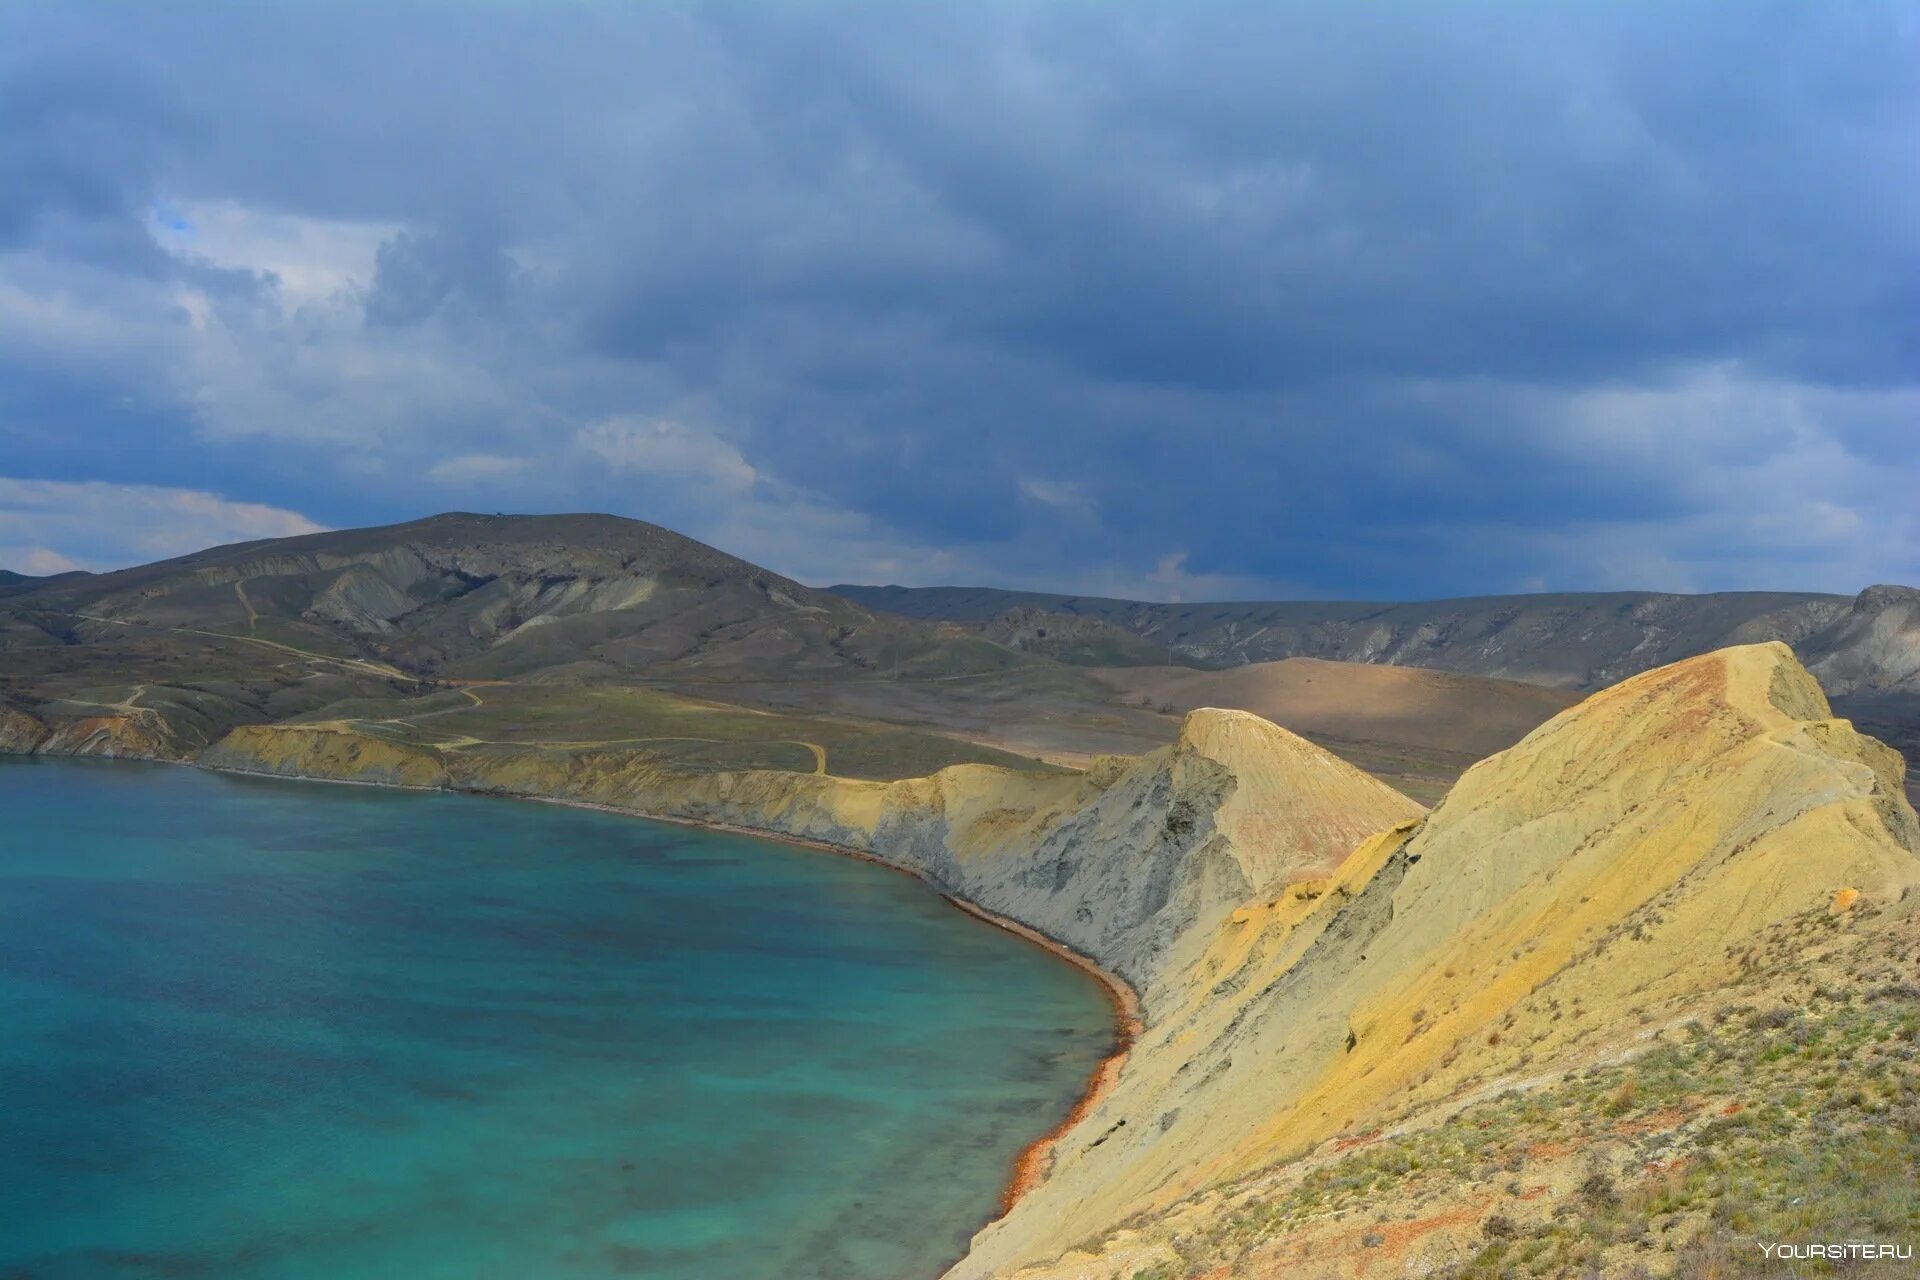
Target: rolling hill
x: 489, y: 596
x: 165, y: 658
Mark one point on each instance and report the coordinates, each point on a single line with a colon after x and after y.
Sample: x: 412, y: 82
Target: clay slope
x: 1126, y: 862
x: 1611, y: 871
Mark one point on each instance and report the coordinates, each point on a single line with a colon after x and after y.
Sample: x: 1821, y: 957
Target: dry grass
x: 1765, y: 1122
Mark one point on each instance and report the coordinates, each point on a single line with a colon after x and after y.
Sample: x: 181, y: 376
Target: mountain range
x: 1869, y: 643
x: 165, y: 658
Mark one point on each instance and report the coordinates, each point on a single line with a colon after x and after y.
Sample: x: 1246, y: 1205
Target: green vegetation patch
x: 687, y: 732
x: 1768, y: 1124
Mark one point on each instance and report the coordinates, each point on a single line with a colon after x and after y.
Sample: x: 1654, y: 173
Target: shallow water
x: 257, y: 1029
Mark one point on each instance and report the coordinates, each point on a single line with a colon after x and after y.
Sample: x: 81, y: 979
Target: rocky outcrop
x: 315, y: 751
x: 1874, y: 649
x: 362, y: 598
x: 118, y: 737
x: 20, y: 733
x: 135, y: 735
x: 147, y: 722
x: 1614, y: 868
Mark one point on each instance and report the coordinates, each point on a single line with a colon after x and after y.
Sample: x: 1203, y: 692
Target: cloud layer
x: 1175, y: 300
x: 52, y: 526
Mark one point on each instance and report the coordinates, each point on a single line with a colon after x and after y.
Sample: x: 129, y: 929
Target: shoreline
x: 1031, y: 1164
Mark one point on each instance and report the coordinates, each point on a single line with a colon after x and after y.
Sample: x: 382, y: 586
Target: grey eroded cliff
x: 1118, y: 863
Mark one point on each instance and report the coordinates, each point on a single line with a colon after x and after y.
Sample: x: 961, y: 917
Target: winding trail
x: 461, y: 741
x: 363, y: 665
x: 128, y: 705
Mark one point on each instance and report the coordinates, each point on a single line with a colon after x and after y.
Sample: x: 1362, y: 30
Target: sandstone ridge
x: 1614, y: 869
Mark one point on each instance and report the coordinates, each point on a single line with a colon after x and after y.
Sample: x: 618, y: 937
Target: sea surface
x: 255, y: 1029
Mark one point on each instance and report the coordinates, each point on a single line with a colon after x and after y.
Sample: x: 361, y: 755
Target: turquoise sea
x: 255, y: 1029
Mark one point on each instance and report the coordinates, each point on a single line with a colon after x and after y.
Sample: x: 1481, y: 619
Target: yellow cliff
x: 1608, y: 873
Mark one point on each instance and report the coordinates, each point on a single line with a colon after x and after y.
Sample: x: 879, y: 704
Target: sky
x: 1176, y: 301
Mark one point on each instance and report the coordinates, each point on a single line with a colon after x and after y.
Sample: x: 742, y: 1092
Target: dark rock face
x: 1874, y: 648
x: 20, y: 733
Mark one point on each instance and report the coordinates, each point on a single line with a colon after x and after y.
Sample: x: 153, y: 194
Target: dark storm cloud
x: 419, y: 274
x: 1358, y: 300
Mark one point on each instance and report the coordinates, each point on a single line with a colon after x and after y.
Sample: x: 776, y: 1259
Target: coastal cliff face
x: 20, y: 733
x: 1322, y: 967
x: 1621, y: 867
x: 130, y: 736
x: 1120, y: 863
x: 304, y: 751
